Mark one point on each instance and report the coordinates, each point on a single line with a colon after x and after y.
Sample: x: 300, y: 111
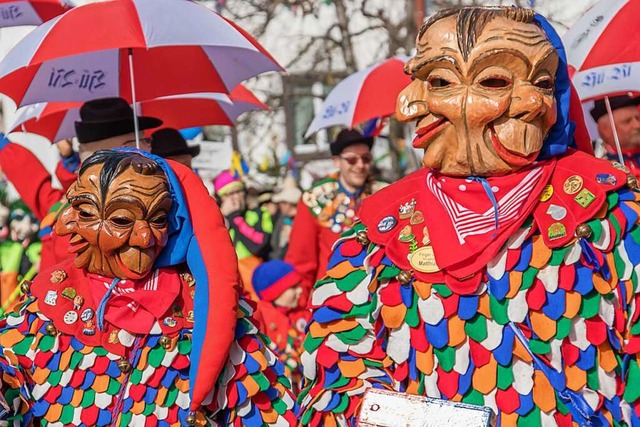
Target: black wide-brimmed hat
x: 349, y: 137
x: 169, y: 142
x: 600, y: 108
x: 108, y: 117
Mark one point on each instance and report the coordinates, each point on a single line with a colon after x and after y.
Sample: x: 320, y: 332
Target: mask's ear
x: 67, y: 222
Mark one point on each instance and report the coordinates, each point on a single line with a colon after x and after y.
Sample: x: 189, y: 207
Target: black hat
x: 349, y: 137
x: 600, y: 109
x: 108, y: 117
x: 169, y: 142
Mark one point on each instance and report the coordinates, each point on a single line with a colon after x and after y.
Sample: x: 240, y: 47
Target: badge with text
x: 386, y: 224
x: 585, y: 198
x: 573, y: 184
x: 424, y: 260
x: 606, y: 178
x: 547, y: 192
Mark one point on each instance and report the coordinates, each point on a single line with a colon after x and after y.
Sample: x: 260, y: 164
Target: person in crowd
x: 104, y: 123
x: 265, y: 201
x: 169, y: 143
x: 286, y: 199
x: 250, y: 229
x: 330, y: 206
x: 281, y: 304
x: 20, y: 250
x: 502, y: 273
x: 147, y: 306
x: 626, y: 119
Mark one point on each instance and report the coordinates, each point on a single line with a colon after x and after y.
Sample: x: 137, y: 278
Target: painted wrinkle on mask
x: 487, y: 114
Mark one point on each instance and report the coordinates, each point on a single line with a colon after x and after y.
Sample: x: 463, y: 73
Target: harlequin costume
x: 174, y: 347
x: 284, y: 324
x: 325, y: 211
x: 525, y: 302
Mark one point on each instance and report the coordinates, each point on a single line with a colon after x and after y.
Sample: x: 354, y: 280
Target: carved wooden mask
x: 118, y: 215
x: 483, y: 91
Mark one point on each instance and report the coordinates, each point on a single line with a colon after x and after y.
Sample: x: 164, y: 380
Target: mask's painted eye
x: 85, y: 214
x: 544, y: 83
x: 121, y: 221
x: 495, y: 83
x: 438, y: 82
x: 159, y: 221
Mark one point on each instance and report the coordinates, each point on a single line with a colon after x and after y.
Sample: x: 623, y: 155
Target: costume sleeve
x: 67, y: 169
x: 20, y: 337
x: 256, y: 238
x: 23, y: 169
x: 304, y: 245
x: 253, y: 389
x: 343, y: 351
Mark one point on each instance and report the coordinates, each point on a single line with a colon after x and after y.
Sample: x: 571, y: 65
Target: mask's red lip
x: 426, y: 132
x: 509, y: 156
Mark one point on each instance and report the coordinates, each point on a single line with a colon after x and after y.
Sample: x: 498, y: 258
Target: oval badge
x: 424, y: 260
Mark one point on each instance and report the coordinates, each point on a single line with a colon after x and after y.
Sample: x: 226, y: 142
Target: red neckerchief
x: 135, y: 305
x: 459, y: 217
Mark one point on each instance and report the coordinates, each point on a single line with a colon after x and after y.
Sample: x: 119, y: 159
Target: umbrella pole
x: 613, y: 128
x: 133, y: 98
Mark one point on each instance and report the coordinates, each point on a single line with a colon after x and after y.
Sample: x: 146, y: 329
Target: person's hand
x: 65, y: 148
x: 229, y: 205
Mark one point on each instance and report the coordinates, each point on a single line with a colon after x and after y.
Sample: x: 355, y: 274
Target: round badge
x: 547, y: 192
x: 336, y: 228
x: 87, y: 314
x: 424, y: 260
x: 386, y: 224
x: 70, y: 317
x: 573, y: 184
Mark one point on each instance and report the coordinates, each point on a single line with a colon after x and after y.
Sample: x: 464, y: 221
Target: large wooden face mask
x: 118, y: 219
x: 482, y: 105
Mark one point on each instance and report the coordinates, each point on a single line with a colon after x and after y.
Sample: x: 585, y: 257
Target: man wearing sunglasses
x: 104, y: 124
x: 330, y: 206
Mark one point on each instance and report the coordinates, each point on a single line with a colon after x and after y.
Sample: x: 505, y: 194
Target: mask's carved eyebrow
x: 491, y: 53
x: 442, y: 58
x: 83, y: 196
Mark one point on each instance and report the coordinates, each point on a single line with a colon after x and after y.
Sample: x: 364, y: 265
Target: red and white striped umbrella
x: 363, y: 96
x: 55, y: 120
x: 14, y: 13
x: 603, y: 49
x: 175, y: 46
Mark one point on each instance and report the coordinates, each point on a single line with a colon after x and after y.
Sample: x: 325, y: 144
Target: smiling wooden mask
x: 483, y: 90
x: 118, y: 216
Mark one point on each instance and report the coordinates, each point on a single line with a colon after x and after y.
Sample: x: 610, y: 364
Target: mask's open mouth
x: 427, y: 132
x: 512, y: 158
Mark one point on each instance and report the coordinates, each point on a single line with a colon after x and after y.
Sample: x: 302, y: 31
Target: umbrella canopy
x: 14, y: 13
x: 603, y: 49
x: 175, y: 46
x: 362, y: 96
x: 55, y: 120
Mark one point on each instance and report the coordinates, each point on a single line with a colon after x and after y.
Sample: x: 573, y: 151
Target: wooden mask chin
x: 118, y: 215
x: 483, y: 91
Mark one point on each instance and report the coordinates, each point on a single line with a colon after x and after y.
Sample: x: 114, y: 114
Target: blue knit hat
x: 272, y: 278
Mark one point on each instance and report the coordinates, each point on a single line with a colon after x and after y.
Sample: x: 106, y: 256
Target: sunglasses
x: 352, y: 159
